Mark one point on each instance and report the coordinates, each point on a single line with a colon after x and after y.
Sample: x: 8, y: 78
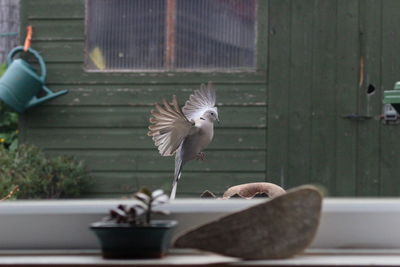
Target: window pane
x: 171, y: 34
x: 125, y: 34
x: 216, y: 34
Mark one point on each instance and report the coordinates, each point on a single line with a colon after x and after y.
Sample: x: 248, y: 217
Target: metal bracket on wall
x: 356, y: 117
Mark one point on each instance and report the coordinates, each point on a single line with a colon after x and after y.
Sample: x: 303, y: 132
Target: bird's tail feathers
x: 173, y: 191
x: 177, y: 175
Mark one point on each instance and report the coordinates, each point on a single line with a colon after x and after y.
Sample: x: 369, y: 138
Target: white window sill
x: 195, y: 258
x: 345, y: 223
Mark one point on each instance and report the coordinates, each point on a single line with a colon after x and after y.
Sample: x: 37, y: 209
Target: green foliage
x: 39, y: 176
x: 8, y: 123
x: 139, y: 213
x: 3, y: 68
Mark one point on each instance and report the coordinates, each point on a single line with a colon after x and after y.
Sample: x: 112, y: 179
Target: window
x: 168, y: 35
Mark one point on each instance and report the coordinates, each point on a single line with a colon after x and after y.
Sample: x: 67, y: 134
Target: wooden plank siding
x: 104, y: 117
x: 390, y: 73
x: 278, y: 81
x: 312, y: 79
x: 347, y: 79
x: 293, y: 121
x: 329, y: 62
x: 368, y: 146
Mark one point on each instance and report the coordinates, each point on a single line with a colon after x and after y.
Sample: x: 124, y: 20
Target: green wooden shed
x: 307, y: 110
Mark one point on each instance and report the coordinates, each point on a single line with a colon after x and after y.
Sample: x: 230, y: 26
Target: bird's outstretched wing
x: 169, y: 127
x: 199, y: 102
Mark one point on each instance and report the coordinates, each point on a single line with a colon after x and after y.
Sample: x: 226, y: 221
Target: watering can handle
x: 32, y: 51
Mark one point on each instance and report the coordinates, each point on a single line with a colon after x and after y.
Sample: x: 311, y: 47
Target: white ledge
x: 63, y: 224
x: 178, y: 257
x: 102, y: 206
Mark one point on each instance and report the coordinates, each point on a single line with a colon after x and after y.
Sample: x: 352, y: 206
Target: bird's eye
x: 212, y: 113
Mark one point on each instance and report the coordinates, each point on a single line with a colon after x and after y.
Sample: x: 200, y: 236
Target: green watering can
x: 20, y: 84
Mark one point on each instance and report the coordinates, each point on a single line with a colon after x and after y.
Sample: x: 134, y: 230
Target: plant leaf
x: 145, y: 191
x: 3, y: 68
x: 114, y: 213
x: 122, y: 207
x: 142, y: 197
x: 140, y: 206
x: 14, y: 145
x: 161, y: 200
x: 132, y: 211
x: 157, y: 193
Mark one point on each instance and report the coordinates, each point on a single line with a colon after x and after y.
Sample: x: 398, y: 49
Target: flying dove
x: 184, y: 132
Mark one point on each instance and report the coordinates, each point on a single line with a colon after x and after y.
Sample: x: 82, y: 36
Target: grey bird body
x: 186, y: 132
x: 198, y: 141
x: 191, y: 146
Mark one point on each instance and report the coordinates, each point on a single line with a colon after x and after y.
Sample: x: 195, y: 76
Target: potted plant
x: 130, y: 232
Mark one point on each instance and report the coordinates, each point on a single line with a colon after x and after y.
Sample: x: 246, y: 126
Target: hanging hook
x: 28, y: 38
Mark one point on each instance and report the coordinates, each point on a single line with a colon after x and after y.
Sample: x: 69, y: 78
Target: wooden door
x: 328, y: 65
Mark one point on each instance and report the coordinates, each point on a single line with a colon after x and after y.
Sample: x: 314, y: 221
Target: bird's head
x: 211, y: 114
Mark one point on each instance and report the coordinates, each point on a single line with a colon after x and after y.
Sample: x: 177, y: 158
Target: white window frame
x: 345, y: 223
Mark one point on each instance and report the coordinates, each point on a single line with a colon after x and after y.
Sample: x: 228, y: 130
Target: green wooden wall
x: 323, y: 58
x: 284, y: 123
x: 104, y: 118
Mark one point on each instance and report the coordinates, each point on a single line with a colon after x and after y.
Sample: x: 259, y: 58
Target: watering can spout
x: 50, y: 95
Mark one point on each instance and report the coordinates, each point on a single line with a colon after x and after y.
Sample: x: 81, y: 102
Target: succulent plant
x: 139, y: 213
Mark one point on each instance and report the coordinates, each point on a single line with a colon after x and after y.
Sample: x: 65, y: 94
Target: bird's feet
x: 201, y: 156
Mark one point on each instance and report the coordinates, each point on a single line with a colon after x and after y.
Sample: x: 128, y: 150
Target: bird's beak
x: 217, y: 119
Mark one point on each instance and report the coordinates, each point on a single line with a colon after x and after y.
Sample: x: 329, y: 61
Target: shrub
x: 8, y: 123
x: 40, y: 176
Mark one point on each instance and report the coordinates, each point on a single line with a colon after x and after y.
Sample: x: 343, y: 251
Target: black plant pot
x: 123, y: 241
